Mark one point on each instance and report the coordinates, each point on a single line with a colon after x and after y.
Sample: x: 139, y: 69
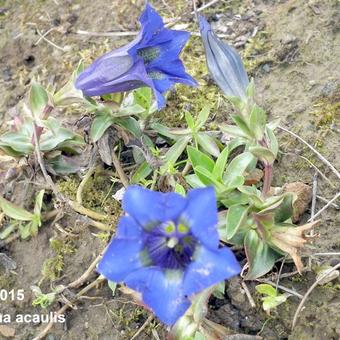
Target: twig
x: 250, y: 298
x: 50, y: 42
x: 313, y: 166
x: 63, y: 309
x: 47, y: 177
x: 326, y: 206
x: 325, y: 254
x: 310, y: 290
x: 315, y: 189
x: 83, y: 183
x: 107, y: 34
x: 119, y: 169
x: 336, y: 172
x: 84, y: 211
x: 200, y: 9
x: 279, y: 273
x: 44, y: 35
x: 141, y: 329
x: 326, y: 201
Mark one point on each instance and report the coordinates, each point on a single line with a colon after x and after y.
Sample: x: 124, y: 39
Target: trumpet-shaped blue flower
x: 167, y: 248
x: 224, y: 63
x: 151, y: 59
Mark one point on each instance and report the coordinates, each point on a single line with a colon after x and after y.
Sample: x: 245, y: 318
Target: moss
x: 69, y: 187
x: 327, y: 110
x: 53, y: 267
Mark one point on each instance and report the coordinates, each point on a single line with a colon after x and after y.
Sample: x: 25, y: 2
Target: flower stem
x: 268, y: 176
x: 119, y: 169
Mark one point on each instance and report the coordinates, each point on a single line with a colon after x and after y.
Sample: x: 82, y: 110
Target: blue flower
x: 224, y: 63
x: 152, y: 59
x: 167, y: 249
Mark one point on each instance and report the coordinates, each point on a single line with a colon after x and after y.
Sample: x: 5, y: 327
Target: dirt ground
x: 291, y: 48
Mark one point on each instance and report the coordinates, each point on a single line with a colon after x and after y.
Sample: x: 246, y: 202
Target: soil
x: 291, y: 48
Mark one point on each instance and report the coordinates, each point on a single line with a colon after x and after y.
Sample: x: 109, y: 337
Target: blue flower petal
x: 161, y: 291
x: 224, y: 63
x: 170, y: 49
x: 209, y: 268
x: 134, y: 78
x: 128, y: 229
x: 147, y: 206
x: 121, y: 258
x: 201, y: 216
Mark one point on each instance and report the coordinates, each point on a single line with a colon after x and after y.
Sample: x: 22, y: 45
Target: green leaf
x: 18, y: 142
x: 175, y: 152
x: 113, y: 286
x: 202, y: 117
x: 260, y: 257
x: 208, y: 179
x: 198, y: 158
x: 63, y: 165
x: 180, y: 189
x: 220, y: 164
x: 237, y: 167
x: 236, y: 217
x: 131, y: 125
x: 208, y: 144
x: 219, y: 290
x: 69, y: 94
x: 239, y: 121
x: 143, y: 171
x: 263, y: 154
x: 14, y: 211
x: 271, y: 302
x: 232, y: 198
x: 100, y: 124
x: 7, y: 231
x: 285, y: 210
x: 274, y: 146
x: 38, y: 99
x: 190, y: 121
x: 194, y: 181
x: 38, y: 203
x: 233, y: 131
x: 25, y: 230
x: 257, y: 122
x: 266, y: 289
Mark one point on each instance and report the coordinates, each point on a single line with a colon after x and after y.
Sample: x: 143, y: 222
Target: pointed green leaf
x: 221, y: 163
x: 208, y: 144
x: 190, y: 121
x: 194, y: 181
x: 239, y: 121
x: 202, y: 117
x: 263, y: 154
x: 175, y: 152
x: 100, y: 124
x: 266, y: 289
x: 237, y: 167
x: 274, y: 146
x: 257, y: 122
x: 260, y: 257
x: 38, y: 99
x: 14, y: 211
x: 38, y: 203
x: 143, y: 171
x: 198, y: 158
x: 236, y: 217
x: 271, y: 302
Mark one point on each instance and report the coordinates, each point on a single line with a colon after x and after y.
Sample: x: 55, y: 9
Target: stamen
x: 149, y: 53
x: 172, y: 242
